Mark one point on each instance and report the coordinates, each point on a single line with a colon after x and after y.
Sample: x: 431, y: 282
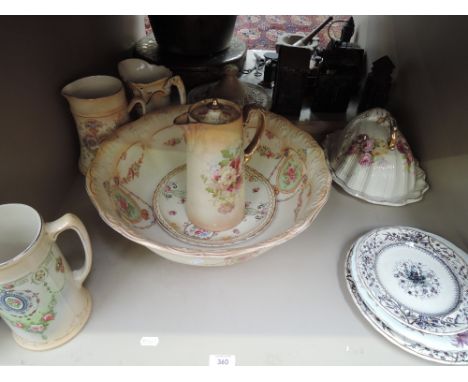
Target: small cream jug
x: 214, y: 133
x: 153, y: 83
x: 41, y: 299
x: 99, y: 106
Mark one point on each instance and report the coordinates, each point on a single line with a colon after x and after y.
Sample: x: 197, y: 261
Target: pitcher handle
x: 137, y: 100
x: 179, y: 84
x: 71, y: 221
x: 247, y: 111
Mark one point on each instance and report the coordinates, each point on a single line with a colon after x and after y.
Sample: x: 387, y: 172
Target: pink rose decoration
x: 48, y: 317
x: 19, y: 325
x: 144, y: 214
x: 366, y: 159
x: 292, y: 173
x: 402, y: 146
x: 37, y: 328
x: 367, y: 145
x: 123, y: 204
x: 235, y: 163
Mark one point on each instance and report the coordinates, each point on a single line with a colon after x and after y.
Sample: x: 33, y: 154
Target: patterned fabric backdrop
x: 261, y: 32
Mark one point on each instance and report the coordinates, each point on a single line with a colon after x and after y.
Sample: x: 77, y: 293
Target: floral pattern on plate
x: 443, y: 349
x: 438, y: 302
x: 417, y: 279
x: 169, y: 205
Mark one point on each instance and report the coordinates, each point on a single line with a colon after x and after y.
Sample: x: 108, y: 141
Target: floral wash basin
x: 371, y: 160
x: 130, y: 165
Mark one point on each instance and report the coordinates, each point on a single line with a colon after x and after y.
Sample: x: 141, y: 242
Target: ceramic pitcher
x: 153, y: 83
x: 41, y: 299
x: 99, y: 106
x: 214, y: 132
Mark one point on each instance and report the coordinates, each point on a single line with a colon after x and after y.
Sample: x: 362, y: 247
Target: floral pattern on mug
x: 225, y: 180
x: 25, y: 309
x: 91, y: 135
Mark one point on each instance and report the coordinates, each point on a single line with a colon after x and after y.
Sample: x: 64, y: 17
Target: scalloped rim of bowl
x: 206, y: 252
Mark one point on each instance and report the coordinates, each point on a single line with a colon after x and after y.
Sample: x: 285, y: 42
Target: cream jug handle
x: 137, y: 100
x: 70, y: 221
x: 247, y: 111
x: 179, y: 84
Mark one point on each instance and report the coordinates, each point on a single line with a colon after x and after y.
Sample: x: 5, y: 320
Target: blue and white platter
x: 437, y: 347
x: 416, y: 278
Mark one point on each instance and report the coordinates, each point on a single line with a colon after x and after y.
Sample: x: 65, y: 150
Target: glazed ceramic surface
x: 368, y: 162
x: 456, y: 345
x: 130, y: 166
x: 41, y: 299
x: 215, y: 161
x: 153, y: 83
x: 416, y: 278
x: 449, y: 349
x: 170, y: 199
x: 99, y: 106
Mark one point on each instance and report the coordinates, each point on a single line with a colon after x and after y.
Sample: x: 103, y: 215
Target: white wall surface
x: 430, y: 94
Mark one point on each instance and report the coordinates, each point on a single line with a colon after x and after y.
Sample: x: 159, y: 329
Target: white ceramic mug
x: 99, y: 106
x: 152, y: 83
x: 41, y: 299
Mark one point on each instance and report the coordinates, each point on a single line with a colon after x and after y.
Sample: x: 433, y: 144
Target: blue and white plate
x: 416, y: 278
x: 448, y: 349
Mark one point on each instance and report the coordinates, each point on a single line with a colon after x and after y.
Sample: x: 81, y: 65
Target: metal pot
x: 193, y: 35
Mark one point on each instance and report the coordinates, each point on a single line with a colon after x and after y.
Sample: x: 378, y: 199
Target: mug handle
x: 71, y: 221
x: 179, y: 84
x: 137, y: 100
x: 247, y: 111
